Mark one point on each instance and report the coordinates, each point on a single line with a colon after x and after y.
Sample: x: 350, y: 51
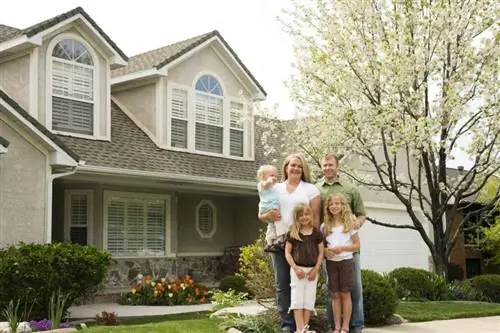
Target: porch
x: 154, y: 227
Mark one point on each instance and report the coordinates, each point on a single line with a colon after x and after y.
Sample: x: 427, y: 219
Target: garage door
x: 383, y: 249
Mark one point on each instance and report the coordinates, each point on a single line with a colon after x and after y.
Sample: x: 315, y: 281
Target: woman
x: 296, y: 188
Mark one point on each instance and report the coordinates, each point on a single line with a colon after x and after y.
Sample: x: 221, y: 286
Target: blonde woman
x: 304, y: 253
x: 295, y: 188
x: 341, y: 241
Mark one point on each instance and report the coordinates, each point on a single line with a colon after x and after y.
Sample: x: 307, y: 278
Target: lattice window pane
x: 179, y: 103
x: 72, y: 80
x: 236, y: 142
x: 116, y: 227
x: 79, y: 218
x: 208, y: 138
x: 72, y: 116
x: 237, y: 116
x: 155, y: 229
x: 209, y: 109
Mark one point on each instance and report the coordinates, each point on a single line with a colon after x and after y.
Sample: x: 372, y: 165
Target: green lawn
x: 427, y: 311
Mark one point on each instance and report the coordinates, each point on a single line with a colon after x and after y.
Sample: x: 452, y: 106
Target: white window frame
x: 248, y: 128
x: 147, y: 196
x: 48, y: 86
x: 90, y: 213
x: 212, y: 232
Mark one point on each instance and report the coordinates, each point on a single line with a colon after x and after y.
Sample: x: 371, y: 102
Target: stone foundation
x: 123, y: 271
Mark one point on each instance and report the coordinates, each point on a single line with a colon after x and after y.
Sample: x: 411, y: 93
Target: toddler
x: 267, y: 175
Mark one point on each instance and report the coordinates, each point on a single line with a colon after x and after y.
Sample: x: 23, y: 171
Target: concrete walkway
x: 470, y: 325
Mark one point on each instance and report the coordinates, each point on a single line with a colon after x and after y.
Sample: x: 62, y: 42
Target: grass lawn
x: 427, y: 311
x: 183, y: 323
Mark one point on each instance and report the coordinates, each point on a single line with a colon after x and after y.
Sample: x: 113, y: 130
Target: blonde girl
x: 269, y: 199
x: 341, y: 241
x: 304, y: 253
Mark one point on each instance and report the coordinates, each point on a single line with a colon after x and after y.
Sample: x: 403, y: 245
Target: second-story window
x: 72, y: 88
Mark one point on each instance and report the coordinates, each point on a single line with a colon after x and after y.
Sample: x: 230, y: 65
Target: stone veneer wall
x: 123, y: 271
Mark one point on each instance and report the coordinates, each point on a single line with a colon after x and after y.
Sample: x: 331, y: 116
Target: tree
x: 401, y: 87
x: 491, y: 242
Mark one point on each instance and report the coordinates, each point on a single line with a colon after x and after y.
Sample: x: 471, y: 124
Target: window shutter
x: 179, y: 119
x: 72, y: 116
x: 79, y: 217
x: 209, y: 138
x: 236, y: 143
x: 116, y: 227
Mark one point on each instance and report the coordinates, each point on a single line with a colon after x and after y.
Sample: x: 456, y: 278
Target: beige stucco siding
x: 14, y: 79
x: 206, y: 61
x: 102, y: 91
x: 140, y: 101
x: 23, y: 190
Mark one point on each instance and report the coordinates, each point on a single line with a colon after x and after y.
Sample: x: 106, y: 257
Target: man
x: 328, y: 185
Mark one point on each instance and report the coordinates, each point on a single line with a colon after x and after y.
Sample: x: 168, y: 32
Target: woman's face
x: 335, y: 205
x: 294, y: 169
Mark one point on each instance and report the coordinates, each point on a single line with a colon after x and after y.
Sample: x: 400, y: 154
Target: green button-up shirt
x: 350, y: 192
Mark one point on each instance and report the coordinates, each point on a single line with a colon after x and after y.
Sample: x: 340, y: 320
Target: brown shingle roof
x: 37, y: 124
x: 7, y: 33
x: 130, y: 148
x: 164, y: 55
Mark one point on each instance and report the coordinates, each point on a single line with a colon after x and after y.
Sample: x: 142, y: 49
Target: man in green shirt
x: 328, y: 185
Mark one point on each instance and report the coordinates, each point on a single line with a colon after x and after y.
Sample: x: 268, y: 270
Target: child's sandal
x: 344, y: 330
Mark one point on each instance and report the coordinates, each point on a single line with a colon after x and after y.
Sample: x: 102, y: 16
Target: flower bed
x: 147, y: 290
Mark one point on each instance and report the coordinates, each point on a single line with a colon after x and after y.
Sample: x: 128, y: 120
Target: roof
x: 162, y: 56
x: 130, y: 148
x: 37, y: 124
x: 7, y: 33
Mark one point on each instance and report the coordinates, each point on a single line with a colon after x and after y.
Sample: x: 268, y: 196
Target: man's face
x: 329, y: 167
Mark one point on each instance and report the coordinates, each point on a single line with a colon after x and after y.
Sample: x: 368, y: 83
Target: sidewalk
x: 468, y: 325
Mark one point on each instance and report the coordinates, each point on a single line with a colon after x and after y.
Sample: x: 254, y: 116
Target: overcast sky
x: 250, y: 27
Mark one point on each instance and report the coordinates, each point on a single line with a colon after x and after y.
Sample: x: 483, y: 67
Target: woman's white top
x: 303, y: 193
x: 340, y: 238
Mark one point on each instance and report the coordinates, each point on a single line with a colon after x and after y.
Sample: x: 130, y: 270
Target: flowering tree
x: 401, y: 87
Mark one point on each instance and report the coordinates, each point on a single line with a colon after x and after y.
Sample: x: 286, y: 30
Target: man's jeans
x: 358, y: 317
x: 282, y: 278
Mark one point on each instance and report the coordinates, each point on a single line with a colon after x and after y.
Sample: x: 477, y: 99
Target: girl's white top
x: 303, y: 193
x: 340, y: 238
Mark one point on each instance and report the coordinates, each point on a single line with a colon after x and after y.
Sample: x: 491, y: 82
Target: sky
x: 250, y: 27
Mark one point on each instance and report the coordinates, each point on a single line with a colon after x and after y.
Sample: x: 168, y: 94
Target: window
x: 78, y: 216
x: 135, y: 226
x: 72, y: 88
x: 206, y: 219
x: 204, y: 119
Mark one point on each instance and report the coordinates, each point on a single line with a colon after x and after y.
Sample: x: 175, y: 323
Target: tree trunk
x: 440, y: 260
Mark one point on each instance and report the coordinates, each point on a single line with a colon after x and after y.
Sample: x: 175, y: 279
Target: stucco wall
x: 23, y: 190
x: 205, y: 61
x: 140, y: 101
x: 14, y: 79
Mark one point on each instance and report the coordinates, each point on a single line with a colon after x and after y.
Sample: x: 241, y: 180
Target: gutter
x: 179, y: 178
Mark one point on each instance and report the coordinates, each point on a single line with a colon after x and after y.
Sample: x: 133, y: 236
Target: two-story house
x: 151, y: 157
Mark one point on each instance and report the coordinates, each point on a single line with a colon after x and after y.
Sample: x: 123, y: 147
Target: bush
x: 33, y: 272
x: 256, y: 269
x: 464, y: 291
x: 489, y: 285
x: 147, y: 290
x: 227, y: 299
x: 266, y: 322
x: 414, y: 283
x: 234, y: 282
x: 379, y: 298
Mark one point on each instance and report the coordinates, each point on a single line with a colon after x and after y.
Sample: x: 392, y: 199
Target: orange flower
x: 159, y: 287
x: 197, y: 291
x: 202, y: 300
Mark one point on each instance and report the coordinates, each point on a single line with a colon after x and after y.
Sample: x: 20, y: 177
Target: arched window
x: 72, y: 88
x: 209, y: 113
x: 206, y: 219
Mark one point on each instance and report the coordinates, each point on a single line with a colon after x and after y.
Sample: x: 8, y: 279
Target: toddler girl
x: 267, y: 175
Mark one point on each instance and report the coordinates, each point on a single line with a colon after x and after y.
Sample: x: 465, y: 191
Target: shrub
x: 464, y: 291
x: 266, y: 322
x: 33, y: 272
x: 227, y: 299
x: 489, y: 285
x: 147, y: 290
x: 414, y: 283
x: 107, y: 319
x: 379, y: 298
x: 256, y: 269
x: 234, y: 282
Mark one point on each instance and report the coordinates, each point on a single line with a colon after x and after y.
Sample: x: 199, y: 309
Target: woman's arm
x: 315, y: 207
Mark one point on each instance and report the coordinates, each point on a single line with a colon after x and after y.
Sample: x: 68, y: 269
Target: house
x: 151, y: 157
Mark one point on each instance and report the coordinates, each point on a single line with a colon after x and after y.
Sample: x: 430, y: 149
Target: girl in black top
x: 304, y: 252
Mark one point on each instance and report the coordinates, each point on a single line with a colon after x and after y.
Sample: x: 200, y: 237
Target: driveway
x: 469, y: 325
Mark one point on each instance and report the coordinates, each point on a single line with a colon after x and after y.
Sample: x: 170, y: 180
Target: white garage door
x: 383, y: 249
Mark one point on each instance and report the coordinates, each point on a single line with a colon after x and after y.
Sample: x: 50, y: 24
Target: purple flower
x: 45, y: 325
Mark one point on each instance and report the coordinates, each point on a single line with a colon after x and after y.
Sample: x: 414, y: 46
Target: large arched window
x: 209, y: 112
x: 72, y: 88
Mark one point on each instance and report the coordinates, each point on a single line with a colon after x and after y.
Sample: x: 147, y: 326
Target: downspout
x: 52, y: 177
